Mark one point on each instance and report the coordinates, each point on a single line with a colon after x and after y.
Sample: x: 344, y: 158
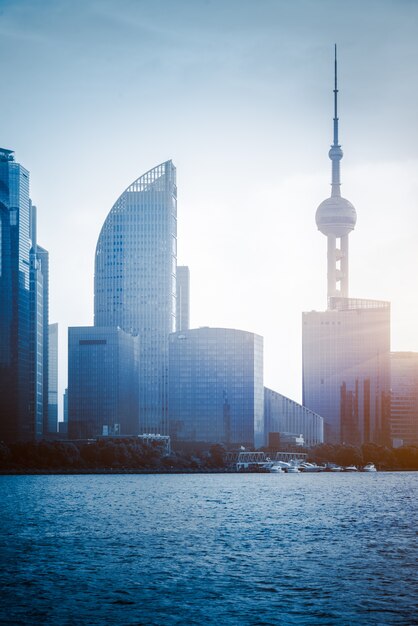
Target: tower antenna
x: 335, y: 98
x: 335, y: 154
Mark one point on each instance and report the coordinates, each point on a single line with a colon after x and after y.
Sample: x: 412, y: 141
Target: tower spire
x: 335, y: 98
x: 336, y: 216
x: 335, y: 154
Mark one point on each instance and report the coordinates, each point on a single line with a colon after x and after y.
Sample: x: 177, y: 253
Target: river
x: 249, y: 549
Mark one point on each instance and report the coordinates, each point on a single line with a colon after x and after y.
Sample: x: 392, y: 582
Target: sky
x: 238, y: 93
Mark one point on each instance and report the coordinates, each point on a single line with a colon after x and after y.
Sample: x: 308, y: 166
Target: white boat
x: 350, y: 468
x: 310, y: 467
x: 293, y: 469
x: 276, y: 469
x: 370, y: 467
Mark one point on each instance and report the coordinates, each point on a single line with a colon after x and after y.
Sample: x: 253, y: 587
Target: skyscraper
x: 22, y: 308
x: 183, y: 298
x: 52, y: 423
x: 39, y: 333
x: 135, y: 281
x: 346, y: 376
x: 102, y: 382
x: 404, y: 398
x: 216, y: 392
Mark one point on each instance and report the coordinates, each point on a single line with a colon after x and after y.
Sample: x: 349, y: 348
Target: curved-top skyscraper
x: 336, y: 216
x: 135, y: 281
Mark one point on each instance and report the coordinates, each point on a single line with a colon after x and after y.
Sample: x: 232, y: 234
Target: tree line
x: 134, y: 454
x: 103, y: 454
x: 405, y: 457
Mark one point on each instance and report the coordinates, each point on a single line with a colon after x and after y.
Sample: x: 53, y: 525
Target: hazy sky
x: 238, y: 93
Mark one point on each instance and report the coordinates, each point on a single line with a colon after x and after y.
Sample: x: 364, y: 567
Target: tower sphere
x: 336, y: 216
x: 335, y: 153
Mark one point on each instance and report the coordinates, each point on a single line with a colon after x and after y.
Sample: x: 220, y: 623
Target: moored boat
x: 350, y: 468
x: 310, y: 467
x: 369, y: 467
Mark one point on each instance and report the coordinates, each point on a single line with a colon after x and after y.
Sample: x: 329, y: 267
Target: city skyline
x: 252, y: 164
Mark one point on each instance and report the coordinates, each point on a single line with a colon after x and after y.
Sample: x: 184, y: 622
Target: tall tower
x: 135, y: 282
x: 345, y: 349
x: 23, y: 302
x: 336, y: 216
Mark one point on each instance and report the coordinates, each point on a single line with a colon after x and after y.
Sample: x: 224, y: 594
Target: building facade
x: 216, y: 392
x: 102, y: 382
x: 24, y: 305
x: 52, y: 425
x: 285, y: 417
x: 135, y: 282
x: 404, y: 398
x: 183, y: 298
x: 346, y: 369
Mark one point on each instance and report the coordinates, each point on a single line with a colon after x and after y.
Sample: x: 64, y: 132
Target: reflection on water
x: 209, y: 549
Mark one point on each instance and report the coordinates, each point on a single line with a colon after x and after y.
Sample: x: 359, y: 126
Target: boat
x: 350, y: 468
x: 370, y: 467
x: 292, y: 469
x: 276, y: 469
x: 310, y: 467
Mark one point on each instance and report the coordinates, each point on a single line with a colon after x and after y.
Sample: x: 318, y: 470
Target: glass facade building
x: 284, y: 416
x: 36, y: 338
x: 135, y: 281
x: 102, y: 382
x: 183, y: 298
x: 16, y: 419
x: 216, y: 392
x: 404, y: 398
x: 53, y: 379
x: 346, y: 369
x: 43, y: 259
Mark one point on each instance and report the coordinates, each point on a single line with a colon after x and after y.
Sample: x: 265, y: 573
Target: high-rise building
x: 404, y: 398
x: 39, y: 334
x: 216, y: 392
x: 283, y: 416
x: 43, y: 259
x: 346, y: 375
x: 36, y: 339
x: 52, y: 425
x: 135, y: 282
x: 102, y: 382
x: 63, y: 426
x: 23, y: 297
x: 183, y: 298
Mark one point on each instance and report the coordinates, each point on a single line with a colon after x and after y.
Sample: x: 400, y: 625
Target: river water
x: 189, y: 549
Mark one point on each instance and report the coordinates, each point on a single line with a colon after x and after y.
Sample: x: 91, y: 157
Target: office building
x: 346, y: 374
x: 52, y: 425
x: 63, y: 425
x: 102, y: 382
x: 286, y: 418
x: 404, y: 398
x: 216, y: 392
x: 183, y: 298
x: 42, y: 256
x: 23, y: 297
x: 135, y: 282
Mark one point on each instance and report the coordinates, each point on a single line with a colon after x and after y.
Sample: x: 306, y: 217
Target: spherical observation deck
x: 336, y: 216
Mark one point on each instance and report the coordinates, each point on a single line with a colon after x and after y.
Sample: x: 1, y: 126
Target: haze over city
x: 239, y: 96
